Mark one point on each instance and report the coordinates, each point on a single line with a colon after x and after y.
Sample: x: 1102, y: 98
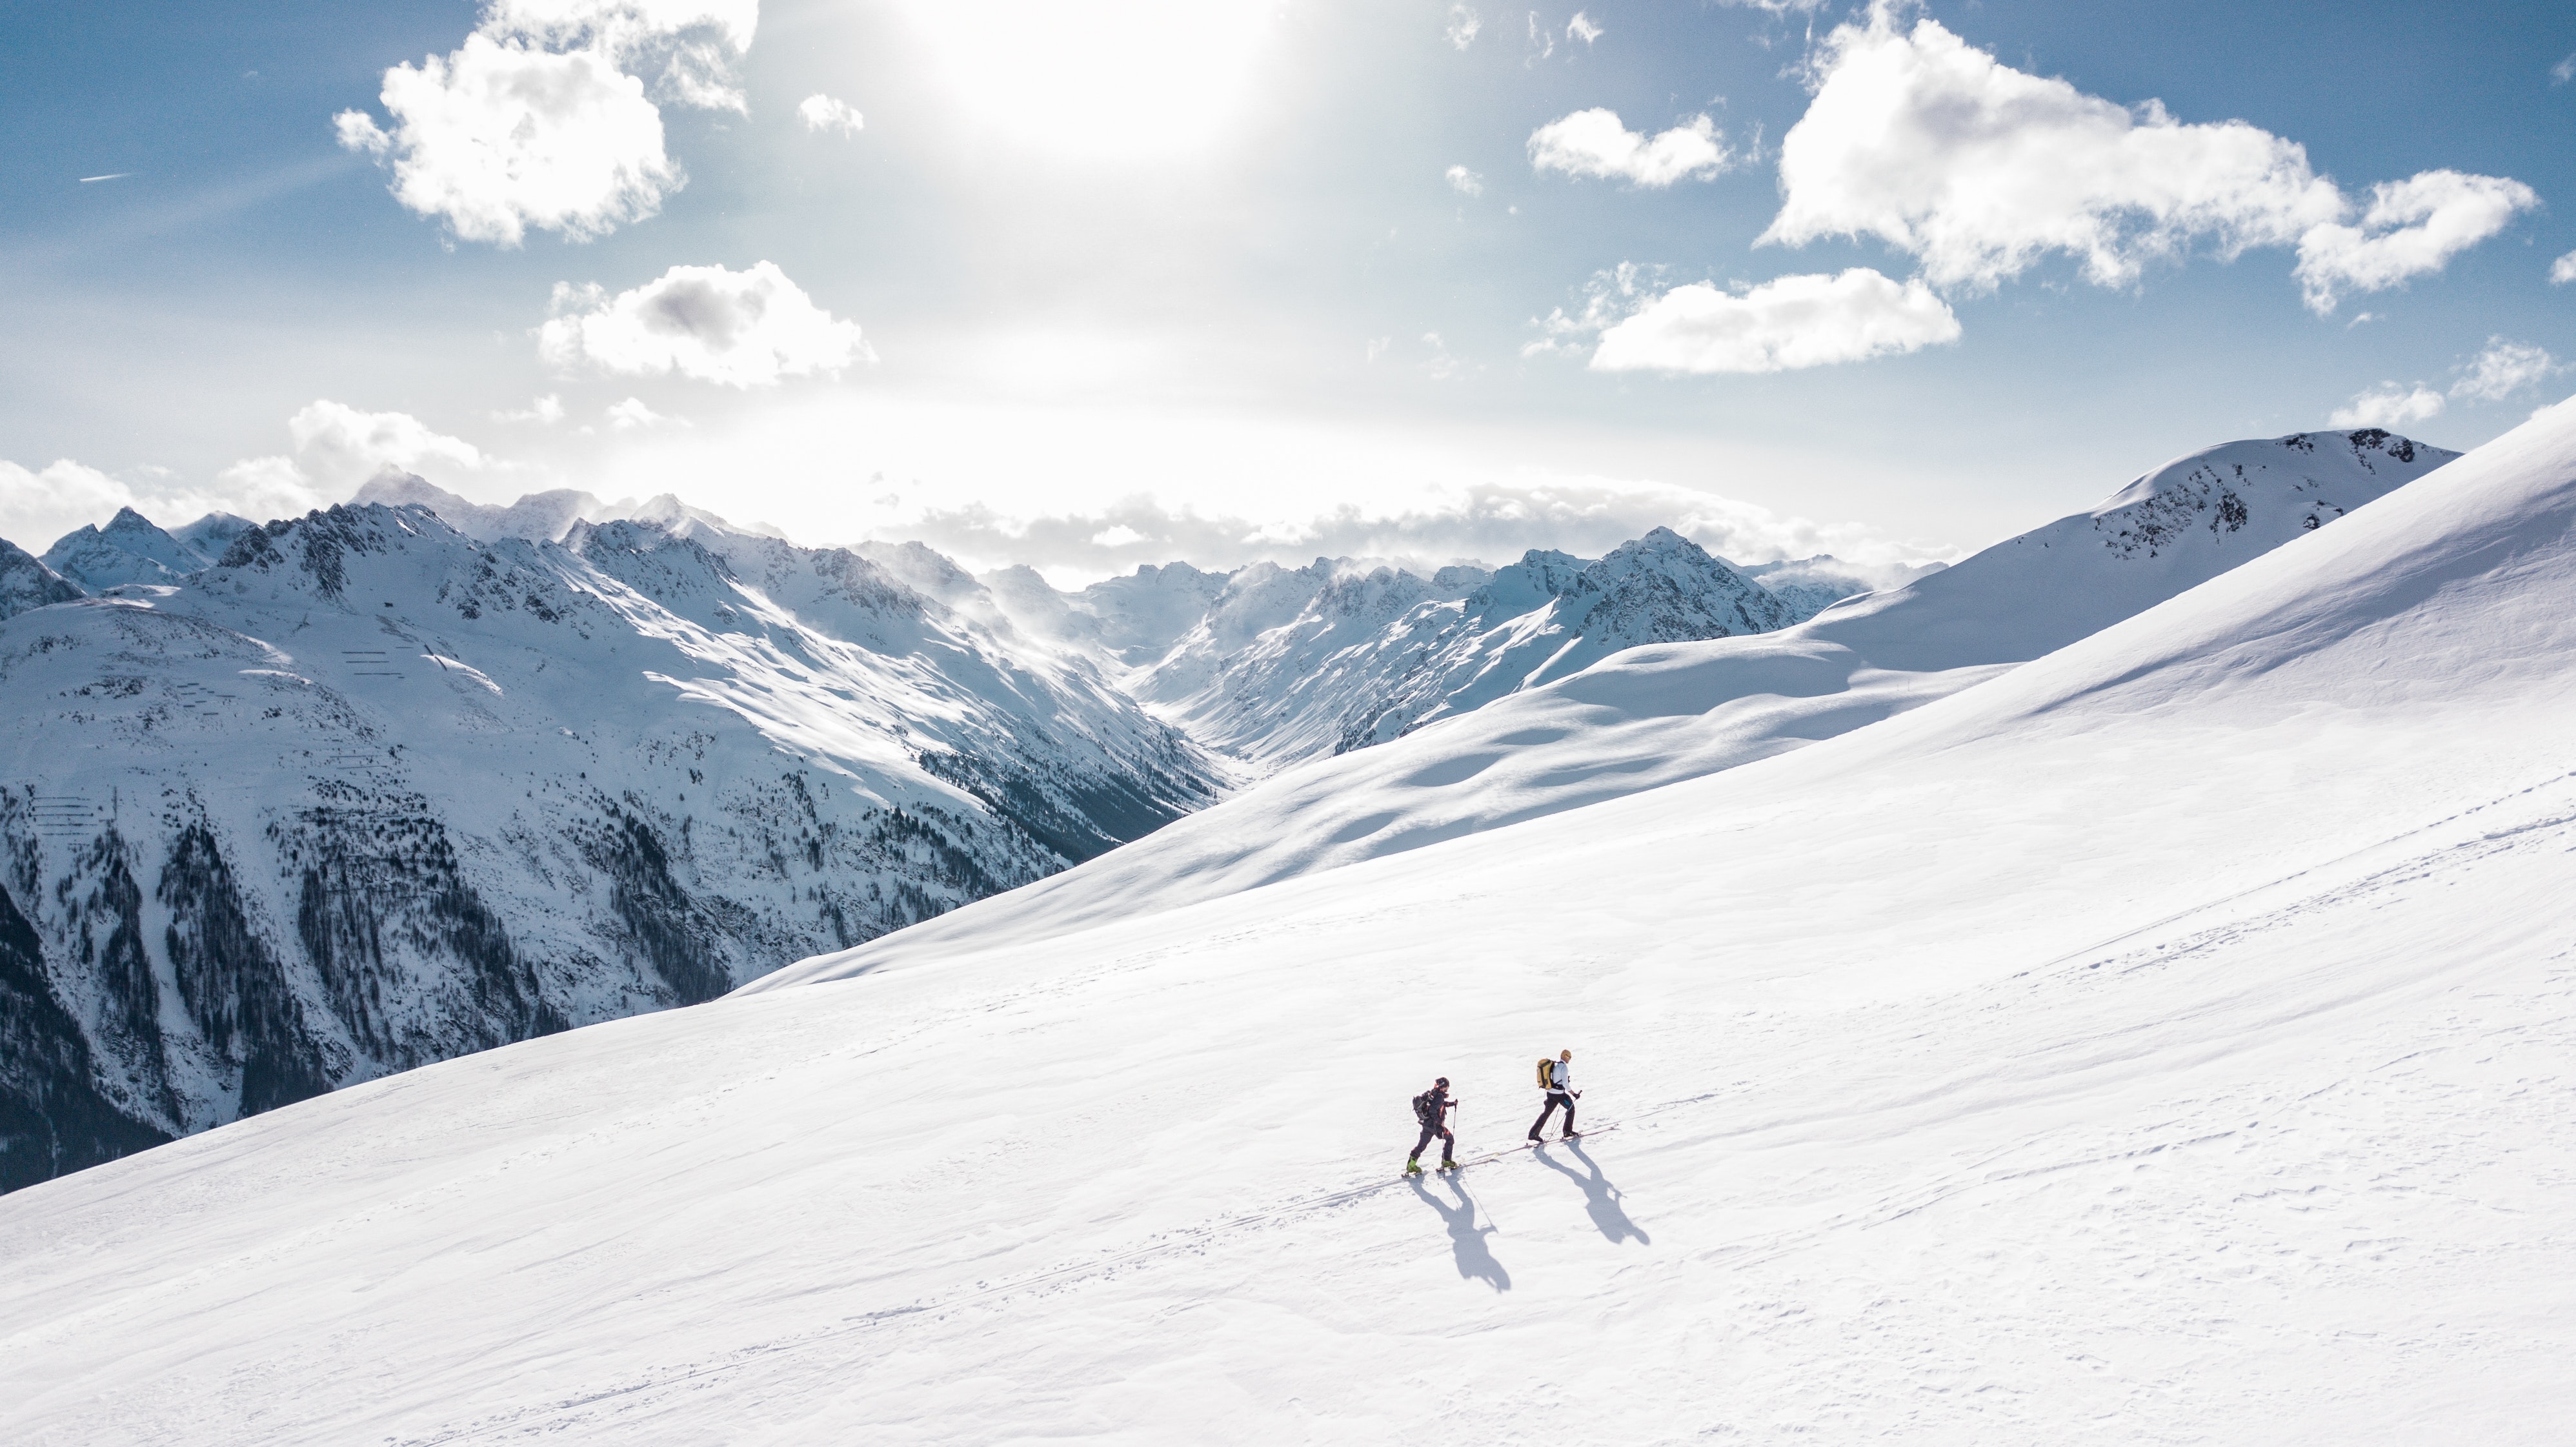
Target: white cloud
x: 548, y: 410
x: 542, y: 118
x: 1980, y: 170
x: 1583, y: 27
x: 37, y: 507
x: 2564, y: 71
x: 1782, y: 325
x: 2503, y: 369
x: 2390, y: 404
x: 2563, y: 270
x: 338, y: 446
x: 632, y: 414
x: 1464, y: 22
x: 688, y: 46
x: 1466, y: 182
x: 1594, y: 143
x: 2412, y: 227
x: 749, y: 328
x: 1541, y: 39
x: 1442, y: 365
x: 823, y: 113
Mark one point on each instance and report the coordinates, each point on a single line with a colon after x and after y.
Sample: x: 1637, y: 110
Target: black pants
x: 1448, y: 1143
x: 1555, y: 1098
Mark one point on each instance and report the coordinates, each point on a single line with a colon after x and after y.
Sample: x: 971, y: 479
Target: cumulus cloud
x: 2390, y: 404
x: 2503, y: 369
x: 336, y: 447
x: 1784, y: 324
x: 1583, y: 27
x: 2411, y: 228
x: 39, y: 506
x: 1594, y: 143
x: 1463, y: 24
x: 546, y: 410
x: 749, y: 328
x: 1493, y: 522
x: 543, y: 117
x: 823, y: 113
x: 1980, y: 170
x: 1466, y: 182
x: 2563, y: 270
x: 2496, y: 373
x: 632, y: 414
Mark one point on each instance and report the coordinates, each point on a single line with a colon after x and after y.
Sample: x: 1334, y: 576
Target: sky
x: 1093, y: 285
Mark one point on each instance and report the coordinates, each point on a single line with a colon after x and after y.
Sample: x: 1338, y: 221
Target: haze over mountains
x: 2161, y: 1039
x: 1653, y: 716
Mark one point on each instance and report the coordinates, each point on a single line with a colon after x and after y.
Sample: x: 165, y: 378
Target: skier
x: 1556, y: 1077
x: 1431, y: 1108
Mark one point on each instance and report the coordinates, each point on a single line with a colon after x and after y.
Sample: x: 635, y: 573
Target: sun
x: 1131, y: 80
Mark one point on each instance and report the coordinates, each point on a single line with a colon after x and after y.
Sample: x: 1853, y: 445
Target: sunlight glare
x: 1131, y: 80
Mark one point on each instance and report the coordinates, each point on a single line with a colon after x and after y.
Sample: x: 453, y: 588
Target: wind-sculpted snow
x: 2163, y: 1041
x: 1653, y: 716
x: 367, y: 794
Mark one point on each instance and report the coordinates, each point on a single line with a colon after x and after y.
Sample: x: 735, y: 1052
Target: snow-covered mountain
x: 1291, y: 664
x: 131, y: 549
x: 1657, y: 715
x: 368, y: 793
x: 25, y: 582
x: 2163, y: 1040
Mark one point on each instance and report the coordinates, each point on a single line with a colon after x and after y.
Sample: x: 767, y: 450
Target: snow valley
x: 2158, y: 1039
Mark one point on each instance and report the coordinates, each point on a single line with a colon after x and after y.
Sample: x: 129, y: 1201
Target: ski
x: 1509, y: 1151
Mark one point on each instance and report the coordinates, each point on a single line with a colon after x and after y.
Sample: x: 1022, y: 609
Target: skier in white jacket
x: 1560, y: 1092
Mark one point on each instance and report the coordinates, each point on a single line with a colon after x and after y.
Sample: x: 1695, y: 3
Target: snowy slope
x: 369, y: 793
x: 1657, y: 715
x: 2164, y: 1041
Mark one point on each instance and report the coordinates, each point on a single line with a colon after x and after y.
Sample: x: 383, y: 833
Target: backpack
x: 1426, y: 1109
x: 1546, y: 1073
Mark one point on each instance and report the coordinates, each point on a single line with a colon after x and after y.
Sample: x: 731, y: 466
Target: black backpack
x: 1426, y: 1107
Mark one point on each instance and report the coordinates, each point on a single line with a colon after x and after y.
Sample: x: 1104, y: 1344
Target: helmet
x: 1443, y: 1080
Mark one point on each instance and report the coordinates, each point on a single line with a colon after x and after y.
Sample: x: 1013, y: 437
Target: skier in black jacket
x: 1432, y: 1108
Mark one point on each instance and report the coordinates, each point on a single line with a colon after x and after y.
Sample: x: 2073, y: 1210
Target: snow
x: 2165, y: 1040
x: 1652, y: 716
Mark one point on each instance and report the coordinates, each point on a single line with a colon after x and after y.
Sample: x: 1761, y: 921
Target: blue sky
x: 1090, y: 285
